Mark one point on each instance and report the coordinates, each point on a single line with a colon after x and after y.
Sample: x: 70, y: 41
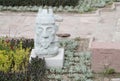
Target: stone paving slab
x: 22, y: 24
x: 115, y: 79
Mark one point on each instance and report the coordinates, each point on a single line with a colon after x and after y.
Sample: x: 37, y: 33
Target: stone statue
x: 46, y: 43
x: 45, y: 37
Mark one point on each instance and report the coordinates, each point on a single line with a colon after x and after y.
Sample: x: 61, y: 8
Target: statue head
x: 45, y: 28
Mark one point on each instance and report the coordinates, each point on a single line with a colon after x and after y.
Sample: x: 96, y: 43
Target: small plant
x: 76, y: 77
x: 58, y: 70
x: 34, y: 72
x: 109, y: 71
x: 36, y: 69
x: 58, y: 77
x: 14, y: 76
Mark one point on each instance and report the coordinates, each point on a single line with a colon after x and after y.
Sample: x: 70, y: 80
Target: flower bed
x: 77, y: 64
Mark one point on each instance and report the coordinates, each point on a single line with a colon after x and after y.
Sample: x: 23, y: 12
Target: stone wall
x: 105, y: 54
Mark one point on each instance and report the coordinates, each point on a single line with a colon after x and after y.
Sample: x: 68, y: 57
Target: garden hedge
x: 79, y: 6
x: 39, y: 2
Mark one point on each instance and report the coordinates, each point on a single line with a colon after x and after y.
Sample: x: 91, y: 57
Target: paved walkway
x: 22, y: 24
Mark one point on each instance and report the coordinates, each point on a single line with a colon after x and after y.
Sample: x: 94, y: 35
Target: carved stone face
x: 45, y: 34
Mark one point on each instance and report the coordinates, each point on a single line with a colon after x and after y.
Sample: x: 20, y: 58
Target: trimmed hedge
x: 39, y: 2
x: 35, y: 71
x: 79, y: 6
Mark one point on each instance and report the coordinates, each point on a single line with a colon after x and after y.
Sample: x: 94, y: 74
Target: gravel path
x: 21, y: 24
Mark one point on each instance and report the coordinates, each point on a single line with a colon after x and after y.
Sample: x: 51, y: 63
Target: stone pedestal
x: 55, y: 62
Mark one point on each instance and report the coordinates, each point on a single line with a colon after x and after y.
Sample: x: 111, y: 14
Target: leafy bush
x: 36, y: 69
x: 34, y: 72
x: 38, y: 2
x: 12, y: 58
x: 14, y: 43
x: 14, y: 61
x: 15, y: 76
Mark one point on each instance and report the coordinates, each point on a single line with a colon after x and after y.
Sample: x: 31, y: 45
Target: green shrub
x: 14, y: 43
x: 14, y: 61
x: 116, y: 0
x: 36, y: 69
x: 108, y: 71
x: 79, y: 6
x: 38, y: 2
x: 15, y: 76
x: 12, y: 58
x: 34, y: 72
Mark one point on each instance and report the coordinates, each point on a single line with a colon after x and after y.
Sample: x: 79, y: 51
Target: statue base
x: 52, y: 62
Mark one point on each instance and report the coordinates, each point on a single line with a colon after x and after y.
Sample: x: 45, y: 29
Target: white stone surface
x: 116, y: 37
x: 118, y: 25
x: 115, y: 79
x: 55, y: 62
